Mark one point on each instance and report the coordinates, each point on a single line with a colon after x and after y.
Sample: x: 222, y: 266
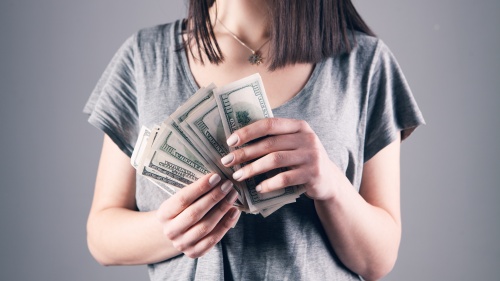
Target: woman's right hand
x: 199, y: 215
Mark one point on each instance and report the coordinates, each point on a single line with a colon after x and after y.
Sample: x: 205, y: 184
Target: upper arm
x: 115, y: 182
x: 380, y: 185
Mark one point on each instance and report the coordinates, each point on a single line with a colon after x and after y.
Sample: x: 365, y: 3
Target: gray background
x: 52, y: 52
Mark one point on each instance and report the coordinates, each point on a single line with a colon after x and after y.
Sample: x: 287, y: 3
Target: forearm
x: 363, y: 228
x: 365, y: 237
x: 118, y: 236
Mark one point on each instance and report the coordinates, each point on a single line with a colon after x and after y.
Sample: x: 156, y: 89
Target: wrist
x: 331, y: 185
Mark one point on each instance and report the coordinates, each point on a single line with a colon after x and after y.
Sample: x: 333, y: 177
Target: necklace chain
x: 256, y: 57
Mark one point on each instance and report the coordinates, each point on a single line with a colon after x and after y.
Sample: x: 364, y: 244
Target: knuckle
x: 215, y: 196
x: 223, y: 206
x: 311, y: 138
x: 192, y: 253
x: 213, y: 240
x: 179, y: 246
x: 202, y: 188
x: 271, y: 123
x: 249, y: 169
x: 161, y: 214
x: 284, y: 180
x: 314, y: 157
x: 203, y: 230
x: 243, y: 133
x: 183, y: 202
x: 240, y: 154
x: 315, y: 172
x: 168, y: 233
x: 226, y: 204
x: 269, y: 143
x: 231, y: 198
x: 228, y: 223
x: 277, y: 157
x: 304, y: 125
x: 193, y: 215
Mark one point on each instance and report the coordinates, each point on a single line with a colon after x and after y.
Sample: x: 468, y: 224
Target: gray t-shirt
x: 356, y: 103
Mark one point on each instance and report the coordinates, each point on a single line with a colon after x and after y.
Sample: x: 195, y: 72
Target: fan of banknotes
x: 191, y: 142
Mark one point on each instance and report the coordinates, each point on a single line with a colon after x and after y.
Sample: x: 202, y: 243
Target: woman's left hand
x: 283, y: 143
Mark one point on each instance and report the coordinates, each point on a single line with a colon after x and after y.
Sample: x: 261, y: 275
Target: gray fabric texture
x: 356, y: 103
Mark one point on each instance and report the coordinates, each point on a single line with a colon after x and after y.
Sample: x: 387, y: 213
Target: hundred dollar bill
x: 164, y: 187
x: 183, y: 112
x: 191, y: 142
x: 164, y: 165
x: 166, y: 184
x: 147, y: 145
x: 177, y: 121
x: 212, y: 163
x: 171, y: 162
x: 140, y: 146
x: 269, y: 210
x: 204, y: 126
x: 242, y: 103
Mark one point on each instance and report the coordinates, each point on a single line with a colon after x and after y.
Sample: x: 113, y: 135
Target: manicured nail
x: 214, y: 180
x: 235, y: 213
x: 227, y: 159
x: 226, y: 186
x: 232, y: 198
x: 238, y: 174
x: 258, y: 188
x: 232, y: 140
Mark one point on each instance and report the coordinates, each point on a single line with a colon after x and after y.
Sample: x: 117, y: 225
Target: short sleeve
x: 112, y: 106
x: 392, y: 109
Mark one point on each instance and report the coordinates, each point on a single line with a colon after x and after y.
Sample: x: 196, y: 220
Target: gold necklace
x: 256, y: 57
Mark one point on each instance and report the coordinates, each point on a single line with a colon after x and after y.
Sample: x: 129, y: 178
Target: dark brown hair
x: 301, y: 31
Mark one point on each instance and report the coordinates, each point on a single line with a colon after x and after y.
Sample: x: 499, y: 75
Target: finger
x: 262, y: 147
x: 194, y: 213
x: 209, y: 241
x: 207, y: 224
x: 266, y: 127
x: 186, y: 196
x: 283, y: 179
x: 270, y: 162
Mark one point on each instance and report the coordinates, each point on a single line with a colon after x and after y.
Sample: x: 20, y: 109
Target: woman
x: 342, y: 107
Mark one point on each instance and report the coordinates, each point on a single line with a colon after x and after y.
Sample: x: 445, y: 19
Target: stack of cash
x: 191, y: 142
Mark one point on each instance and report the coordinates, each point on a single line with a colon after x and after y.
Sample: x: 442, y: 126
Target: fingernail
x: 232, y: 198
x: 232, y: 140
x: 258, y: 188
x: 227, y: 159
x: 238, y: 174
x: 235, y: 213
x: 226, y: 186
x: 214, y: 180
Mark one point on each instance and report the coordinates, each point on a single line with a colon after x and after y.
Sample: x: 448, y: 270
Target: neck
x: 247, y: 19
